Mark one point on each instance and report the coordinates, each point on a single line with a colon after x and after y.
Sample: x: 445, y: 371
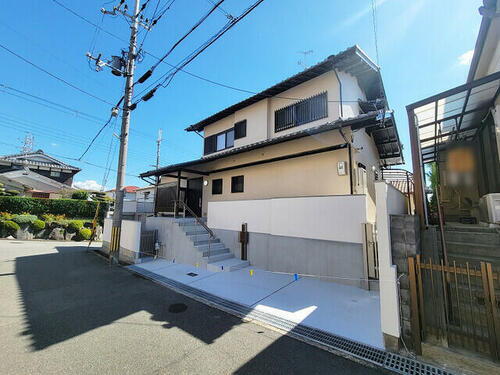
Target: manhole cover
x: 192, y: 274
x: 177, y: 308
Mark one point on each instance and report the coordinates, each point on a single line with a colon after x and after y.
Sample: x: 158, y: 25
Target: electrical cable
x: 74, y: 111
x: 167, y: 77
x: 54, y: 76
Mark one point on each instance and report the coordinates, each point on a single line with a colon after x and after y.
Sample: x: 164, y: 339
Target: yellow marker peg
x: 251, y: 272
x: 197, y: 266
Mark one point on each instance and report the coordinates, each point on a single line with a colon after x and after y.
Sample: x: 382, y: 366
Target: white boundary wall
x: 106, y: 234
x: 130, y: 235
x: 331, y: 218
x: 390, y: 201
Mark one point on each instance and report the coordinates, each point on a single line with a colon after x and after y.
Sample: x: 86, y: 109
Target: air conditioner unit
x: 489, y: 208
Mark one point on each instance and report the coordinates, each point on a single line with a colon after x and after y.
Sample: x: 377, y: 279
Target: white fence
x: 332, y: 218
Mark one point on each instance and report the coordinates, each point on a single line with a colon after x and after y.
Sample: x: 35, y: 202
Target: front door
x: 194, y: 194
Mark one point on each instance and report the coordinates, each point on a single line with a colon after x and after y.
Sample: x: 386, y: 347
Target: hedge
x: 71, y: 208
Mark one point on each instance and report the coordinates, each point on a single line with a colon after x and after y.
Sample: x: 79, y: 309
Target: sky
x: 424, y: 47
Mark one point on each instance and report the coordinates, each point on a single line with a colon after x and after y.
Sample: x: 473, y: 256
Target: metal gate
x: 455, y: 305
x: 147, y: 246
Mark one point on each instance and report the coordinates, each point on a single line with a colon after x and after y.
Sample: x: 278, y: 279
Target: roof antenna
x: 303, y: 62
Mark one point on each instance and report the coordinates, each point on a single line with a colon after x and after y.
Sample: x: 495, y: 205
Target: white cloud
x: 466, y: 58
x: 87, y: 185
x: 54, y: 144
x: 363, y: 12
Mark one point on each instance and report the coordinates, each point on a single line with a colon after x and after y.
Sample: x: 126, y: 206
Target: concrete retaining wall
x: 341, y: 262
x: 405, y: 242
x: 174, y: 244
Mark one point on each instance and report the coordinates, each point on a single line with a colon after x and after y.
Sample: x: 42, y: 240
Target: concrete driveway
x: 64, y: 310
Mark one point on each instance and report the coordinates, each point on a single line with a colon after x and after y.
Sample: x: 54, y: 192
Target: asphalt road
x: 65, y: 311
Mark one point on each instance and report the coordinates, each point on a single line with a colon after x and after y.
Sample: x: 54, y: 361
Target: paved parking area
x: 64, y: 310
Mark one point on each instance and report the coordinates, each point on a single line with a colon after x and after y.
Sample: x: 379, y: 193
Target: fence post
x: 415, y: 319
x: 488, y: 299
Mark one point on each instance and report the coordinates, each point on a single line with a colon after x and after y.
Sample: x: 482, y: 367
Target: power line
x: 374, y: 19
x: 74, y: 111
x: 167, y: 77
x: 54, y: 76
x: 95, y: 137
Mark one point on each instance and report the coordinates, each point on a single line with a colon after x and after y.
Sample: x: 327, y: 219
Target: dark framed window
x: 307, y: 110
x: 240, y: 129
x: 217, y: 186
x: 219, y: 141
x: 237, y: 184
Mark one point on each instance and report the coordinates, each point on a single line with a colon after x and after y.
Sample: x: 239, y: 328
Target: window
x: 146, y: 195
x: 307, y: 110
x: 55, y: 174
x: 219, y: 142
x: 240, y: 129
x: 237, y: 183
x: 217, y: 186
x: 230, y: 138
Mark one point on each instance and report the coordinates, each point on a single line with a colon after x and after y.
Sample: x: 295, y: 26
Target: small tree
x: 80, y: 194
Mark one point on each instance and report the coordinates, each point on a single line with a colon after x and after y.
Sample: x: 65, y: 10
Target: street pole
x: 158, y: 147
x: 122, y: 159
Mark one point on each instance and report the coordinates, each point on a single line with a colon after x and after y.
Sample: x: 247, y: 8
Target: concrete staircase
x: 217, y: 256
x: 473, y: 243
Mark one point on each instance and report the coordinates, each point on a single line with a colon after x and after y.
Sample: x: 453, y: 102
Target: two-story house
x: 296, y: 163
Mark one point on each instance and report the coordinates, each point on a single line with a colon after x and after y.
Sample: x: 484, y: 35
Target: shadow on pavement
x: 69, y: 293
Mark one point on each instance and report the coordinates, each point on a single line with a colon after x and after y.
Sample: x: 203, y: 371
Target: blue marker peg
x: 295, y: 276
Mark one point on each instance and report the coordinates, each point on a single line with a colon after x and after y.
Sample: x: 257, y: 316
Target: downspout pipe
x: 340, y: 93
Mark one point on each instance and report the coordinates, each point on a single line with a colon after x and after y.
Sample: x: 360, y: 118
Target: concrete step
x: 202, y: 237
x: 473, y: 249
x: 470, y: 229
x: 219, y: 257
x: 189, y: 221
x: 480, y: 238
x: 204, y: 241
x: 213, y: 246
x: 228, y: 265
x: 214, y: 252
x: 195, y: 230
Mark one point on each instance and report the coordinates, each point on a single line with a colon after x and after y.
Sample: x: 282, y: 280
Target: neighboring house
x: 36, y: 174
x: 296, y: 163
x: 138, y: 202
x: 459, y: 131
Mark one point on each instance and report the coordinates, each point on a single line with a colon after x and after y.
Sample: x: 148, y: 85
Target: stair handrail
x: 211, y: 234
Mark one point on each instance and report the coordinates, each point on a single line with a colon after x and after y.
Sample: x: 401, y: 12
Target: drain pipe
x: 340, y: 93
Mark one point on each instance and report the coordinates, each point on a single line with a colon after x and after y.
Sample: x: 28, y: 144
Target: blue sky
x: 424, y: 48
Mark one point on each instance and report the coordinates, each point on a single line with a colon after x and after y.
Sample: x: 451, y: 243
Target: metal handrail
x: 211, y: 234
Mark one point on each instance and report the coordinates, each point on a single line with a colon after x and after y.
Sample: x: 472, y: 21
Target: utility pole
x: 122, y: 66
x: 122, y: 158
x: 158, y: 147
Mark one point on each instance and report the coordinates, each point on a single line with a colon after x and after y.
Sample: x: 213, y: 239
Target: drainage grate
x: 390, y: 361
x: 192, y: 274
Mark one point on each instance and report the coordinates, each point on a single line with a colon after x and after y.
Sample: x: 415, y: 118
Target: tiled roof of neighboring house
x: 128, y: 189
x: 28, y: 159
x: 386, y: 139
x: 31, y: 180
x: 353, y: 60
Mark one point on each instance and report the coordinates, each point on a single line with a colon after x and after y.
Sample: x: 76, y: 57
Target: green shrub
x: 38, y: 206
x: 10, y: 227
x: 80, y: 194
x: 38, y: 225
x: 84, y: 233
x: 6, y: 216
x: 24, y: 219
x: 75, y: 225
x: 12, y: 192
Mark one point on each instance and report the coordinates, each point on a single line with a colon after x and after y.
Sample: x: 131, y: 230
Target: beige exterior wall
x: 260, y: 115
x: 313, y: 175
x: 365, y: 152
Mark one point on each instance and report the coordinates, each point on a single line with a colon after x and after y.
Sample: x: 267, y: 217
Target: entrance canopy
x: 453, y: 115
